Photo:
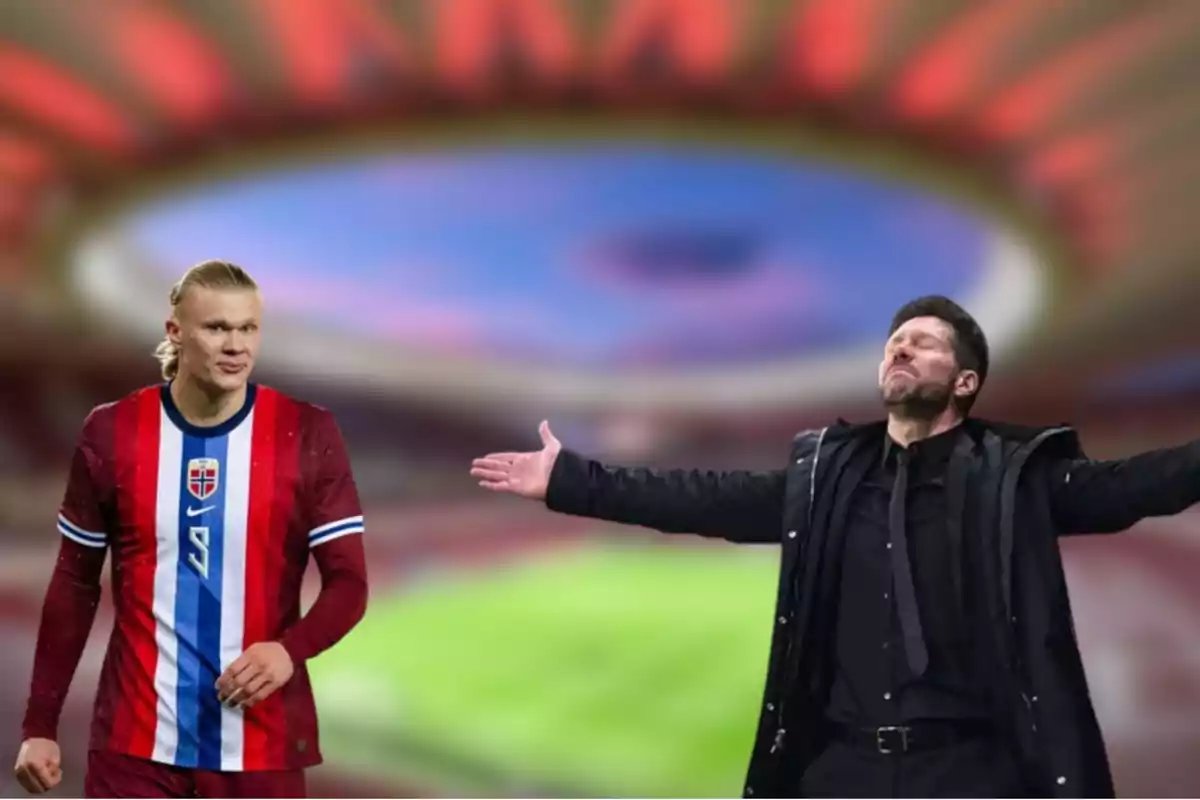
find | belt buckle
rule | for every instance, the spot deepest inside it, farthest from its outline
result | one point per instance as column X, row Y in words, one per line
column 880, row 744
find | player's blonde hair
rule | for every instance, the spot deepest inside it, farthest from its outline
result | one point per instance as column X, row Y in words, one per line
column 212, row 274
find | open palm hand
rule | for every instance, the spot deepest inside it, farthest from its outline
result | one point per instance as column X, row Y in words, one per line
column 523, row 474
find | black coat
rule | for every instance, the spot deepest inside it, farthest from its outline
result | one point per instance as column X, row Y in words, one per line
column 1004, row 487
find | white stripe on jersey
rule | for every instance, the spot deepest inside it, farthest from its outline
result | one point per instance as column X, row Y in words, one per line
column 328, row 526
column 166, row 676
column 334, row 530
column 233, row 579
column 77, row 534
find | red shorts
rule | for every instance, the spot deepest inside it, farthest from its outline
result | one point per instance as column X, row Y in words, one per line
column 116, row 775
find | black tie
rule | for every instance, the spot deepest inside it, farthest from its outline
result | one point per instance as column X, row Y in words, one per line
column 906, row 595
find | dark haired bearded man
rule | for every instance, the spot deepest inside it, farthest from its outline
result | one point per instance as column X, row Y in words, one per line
column 923, row 640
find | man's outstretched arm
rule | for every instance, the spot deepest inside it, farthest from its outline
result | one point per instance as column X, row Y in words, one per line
column 1108, row 496
column 740, row 506
column 737, row 505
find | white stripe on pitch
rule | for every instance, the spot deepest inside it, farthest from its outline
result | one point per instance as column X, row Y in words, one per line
column 166, row 675
column 233, row 580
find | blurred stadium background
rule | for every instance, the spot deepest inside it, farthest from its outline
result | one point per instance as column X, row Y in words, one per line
column 675, row 228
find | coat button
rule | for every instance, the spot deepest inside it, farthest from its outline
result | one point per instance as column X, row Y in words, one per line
column 783, row 620
column 1062, row 780
column 799, row 460
column 749, row 791
column 770, row 706
column 791, row 534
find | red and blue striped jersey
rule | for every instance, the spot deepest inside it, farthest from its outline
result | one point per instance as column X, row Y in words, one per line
column 210, row 531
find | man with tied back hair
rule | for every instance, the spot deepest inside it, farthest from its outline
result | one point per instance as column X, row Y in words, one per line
column 211, row 492
column 923, row 640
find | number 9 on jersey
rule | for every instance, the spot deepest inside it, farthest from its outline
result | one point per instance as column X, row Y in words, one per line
column 198, row 555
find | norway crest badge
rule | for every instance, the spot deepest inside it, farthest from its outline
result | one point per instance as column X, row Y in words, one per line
column 203, row 477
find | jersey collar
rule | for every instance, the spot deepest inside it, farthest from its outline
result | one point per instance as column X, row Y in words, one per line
column 207, row 431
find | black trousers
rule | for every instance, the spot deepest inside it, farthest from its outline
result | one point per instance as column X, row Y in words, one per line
column 972, row 768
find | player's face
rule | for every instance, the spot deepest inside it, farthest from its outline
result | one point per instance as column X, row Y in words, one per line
column 217, row 332
column 919, row 372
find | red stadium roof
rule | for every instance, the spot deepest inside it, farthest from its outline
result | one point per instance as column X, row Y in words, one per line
column 1083, row 114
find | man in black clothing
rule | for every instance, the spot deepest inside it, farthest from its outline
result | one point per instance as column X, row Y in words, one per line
column 876, row 685
column 923, row 642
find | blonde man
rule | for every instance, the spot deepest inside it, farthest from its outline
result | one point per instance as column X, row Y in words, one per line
column 211, row 492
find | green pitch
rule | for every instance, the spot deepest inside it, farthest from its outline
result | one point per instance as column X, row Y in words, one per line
column 618, row 669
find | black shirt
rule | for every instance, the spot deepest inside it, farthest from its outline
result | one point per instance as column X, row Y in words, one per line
column 872, row 683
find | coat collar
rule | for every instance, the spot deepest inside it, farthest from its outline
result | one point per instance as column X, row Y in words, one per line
column 1064, row 442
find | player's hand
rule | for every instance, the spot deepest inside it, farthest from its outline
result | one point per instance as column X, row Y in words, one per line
column 255, row 675
column 39, row 765
column 524, row 474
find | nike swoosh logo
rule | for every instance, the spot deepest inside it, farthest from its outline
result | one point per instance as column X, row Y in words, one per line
column 195, row 512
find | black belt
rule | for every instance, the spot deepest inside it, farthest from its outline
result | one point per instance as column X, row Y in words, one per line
column 915, row 736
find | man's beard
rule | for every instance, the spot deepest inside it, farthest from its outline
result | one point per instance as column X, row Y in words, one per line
column 924, row 401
